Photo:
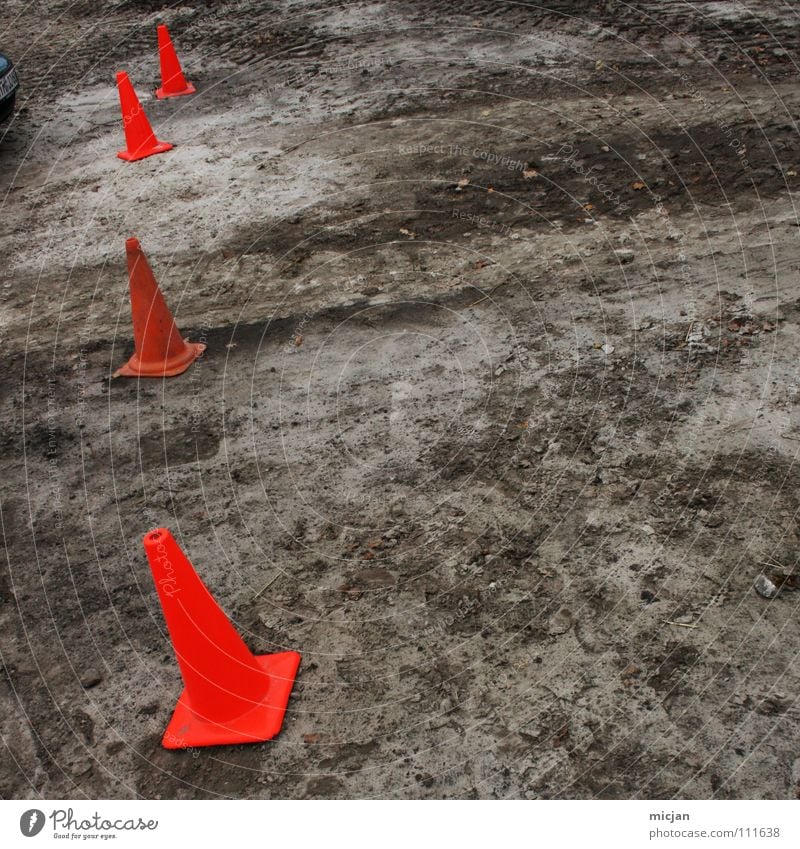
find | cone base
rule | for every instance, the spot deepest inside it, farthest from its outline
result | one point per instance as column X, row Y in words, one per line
column 186, row 729
column 135, row 156
column 169, row 368
column 161, row 93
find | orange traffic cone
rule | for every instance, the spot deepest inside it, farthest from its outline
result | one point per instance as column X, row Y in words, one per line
column 139, row 136
column 173, row 82
column 161, row 351
column 230, row 695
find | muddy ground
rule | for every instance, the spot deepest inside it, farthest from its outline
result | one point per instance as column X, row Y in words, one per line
column 498, row 421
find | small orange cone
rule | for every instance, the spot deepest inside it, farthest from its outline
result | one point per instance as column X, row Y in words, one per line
column 173, row 82
column 230, row 695
column 139, row 136
column 161, row 351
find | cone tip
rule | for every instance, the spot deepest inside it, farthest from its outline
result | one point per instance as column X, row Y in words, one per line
column 121, row 76
column 155, row 537
column 132, row 244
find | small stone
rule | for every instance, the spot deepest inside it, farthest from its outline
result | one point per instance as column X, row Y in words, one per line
column 711, row 520
column 764, row 587
column 624, row 255
column 560, row 623
column 90, row 678
column 631, row 671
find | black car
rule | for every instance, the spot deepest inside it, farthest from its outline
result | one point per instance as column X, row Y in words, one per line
column 9, row 83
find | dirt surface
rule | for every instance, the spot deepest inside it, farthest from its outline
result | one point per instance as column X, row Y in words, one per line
column 498, row 422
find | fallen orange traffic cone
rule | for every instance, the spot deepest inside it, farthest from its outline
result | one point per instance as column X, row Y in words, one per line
column 230, row 695
column 161, row 351
column 173, row 82
column 139, row 137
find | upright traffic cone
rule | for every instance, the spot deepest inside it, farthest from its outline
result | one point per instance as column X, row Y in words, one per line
column 139, row 137
column 230, row 695
column 161, row 351
column 173, row 82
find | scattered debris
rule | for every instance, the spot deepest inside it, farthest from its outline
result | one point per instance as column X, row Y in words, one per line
column 266, row 586
column 696, row 336
column 560, row 737
column 488, row 294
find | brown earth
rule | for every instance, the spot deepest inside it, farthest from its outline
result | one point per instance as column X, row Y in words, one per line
column 498, row 421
